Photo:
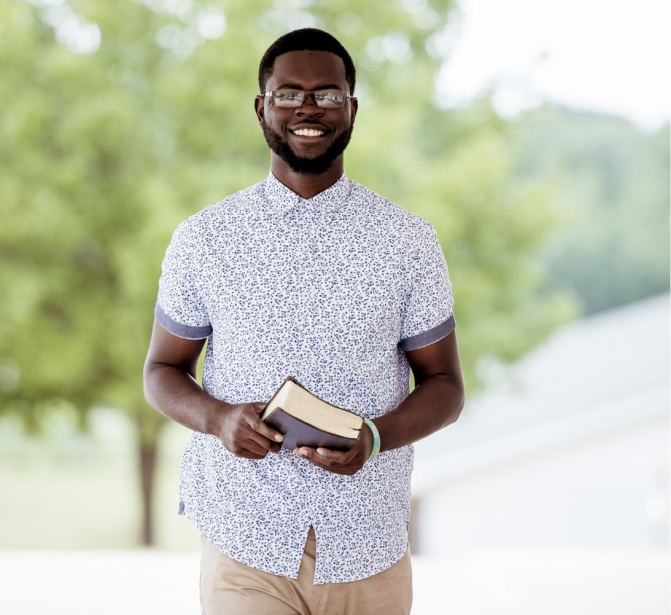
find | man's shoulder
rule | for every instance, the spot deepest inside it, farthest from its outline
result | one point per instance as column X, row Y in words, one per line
column 220, row 215
column 237, row 203
column 386, row 214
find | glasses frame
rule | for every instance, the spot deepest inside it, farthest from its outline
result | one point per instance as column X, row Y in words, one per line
column 305, row 94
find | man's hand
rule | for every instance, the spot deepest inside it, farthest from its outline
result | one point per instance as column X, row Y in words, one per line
column 242, row 431
column 339, row 462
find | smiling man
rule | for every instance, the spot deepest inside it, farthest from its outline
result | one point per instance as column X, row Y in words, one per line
column 305, row 274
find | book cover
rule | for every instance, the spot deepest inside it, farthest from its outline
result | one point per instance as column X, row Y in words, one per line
column 297, row 433
column 306, row 420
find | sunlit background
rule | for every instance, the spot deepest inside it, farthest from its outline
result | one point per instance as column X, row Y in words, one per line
column 534, row 135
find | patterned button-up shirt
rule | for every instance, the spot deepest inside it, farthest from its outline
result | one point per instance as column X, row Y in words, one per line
column 330, row 290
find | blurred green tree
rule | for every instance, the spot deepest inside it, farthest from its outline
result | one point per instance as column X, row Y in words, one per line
column 121, row 119
column 614, row 180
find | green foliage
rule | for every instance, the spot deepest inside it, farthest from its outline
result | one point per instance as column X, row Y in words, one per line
column 615, row 185
column 102, row 155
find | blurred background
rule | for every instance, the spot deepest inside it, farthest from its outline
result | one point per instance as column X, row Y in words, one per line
column 534, row 135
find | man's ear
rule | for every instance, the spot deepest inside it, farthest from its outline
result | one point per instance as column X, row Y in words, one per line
column 355, row 108
column 260, row 108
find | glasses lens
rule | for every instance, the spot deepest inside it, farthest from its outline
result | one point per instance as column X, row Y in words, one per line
column 288, row 98
column 330, row 98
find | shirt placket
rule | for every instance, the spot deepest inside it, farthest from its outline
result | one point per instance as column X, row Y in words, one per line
column 315, row 287
column 302, row 256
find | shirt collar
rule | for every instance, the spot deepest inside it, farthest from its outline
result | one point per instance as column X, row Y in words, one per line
column 281, row 199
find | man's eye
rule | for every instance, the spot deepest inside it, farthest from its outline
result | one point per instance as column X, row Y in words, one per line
column 329, row 95
column 288, row 95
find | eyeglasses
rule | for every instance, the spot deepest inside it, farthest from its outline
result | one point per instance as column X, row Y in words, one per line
column 327, row 99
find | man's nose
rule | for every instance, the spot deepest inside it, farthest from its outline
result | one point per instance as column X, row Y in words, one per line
column 309, row 107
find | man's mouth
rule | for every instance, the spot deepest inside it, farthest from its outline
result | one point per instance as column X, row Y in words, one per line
column 308, row 132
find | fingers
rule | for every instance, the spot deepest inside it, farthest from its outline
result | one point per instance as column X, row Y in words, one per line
column 248, row 454
column 335, row 457
column 338, row 462
column 252, row 434
column 245, row 435
column 263, row 443
column 325, row 456
column 251, row 449
column 268, row 445
column 255, row 422
column 254, row 447
column 252, row 440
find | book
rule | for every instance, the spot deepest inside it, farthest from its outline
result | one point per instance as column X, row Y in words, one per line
column 306, row 420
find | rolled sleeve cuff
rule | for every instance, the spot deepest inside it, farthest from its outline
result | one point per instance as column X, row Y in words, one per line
column 429, row 337
column 186, row 331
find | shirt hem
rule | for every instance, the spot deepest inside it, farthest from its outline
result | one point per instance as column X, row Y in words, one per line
column 212, row 539
column 316, row 581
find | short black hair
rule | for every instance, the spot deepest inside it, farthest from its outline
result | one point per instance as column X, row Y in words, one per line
column 305, row 39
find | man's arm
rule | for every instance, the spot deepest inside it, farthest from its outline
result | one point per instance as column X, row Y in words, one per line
column 436, row 401
column 170, row 387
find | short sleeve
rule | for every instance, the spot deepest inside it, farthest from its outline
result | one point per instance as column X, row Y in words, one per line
column 180, row 309
column 429, row 314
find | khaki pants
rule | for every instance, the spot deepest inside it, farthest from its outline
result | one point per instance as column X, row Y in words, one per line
column 228, row 587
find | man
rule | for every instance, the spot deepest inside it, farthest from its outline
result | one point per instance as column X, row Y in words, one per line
column 306, row 274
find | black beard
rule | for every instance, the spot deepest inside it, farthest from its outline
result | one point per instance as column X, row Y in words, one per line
column 306, row 166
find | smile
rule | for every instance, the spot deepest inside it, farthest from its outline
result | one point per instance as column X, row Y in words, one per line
column 308, row 132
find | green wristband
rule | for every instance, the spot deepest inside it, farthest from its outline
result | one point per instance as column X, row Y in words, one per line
column 376, row 439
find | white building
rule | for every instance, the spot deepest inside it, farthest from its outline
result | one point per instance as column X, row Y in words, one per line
column 568, row 448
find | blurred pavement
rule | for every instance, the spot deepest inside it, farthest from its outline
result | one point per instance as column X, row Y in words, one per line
column 480, row 582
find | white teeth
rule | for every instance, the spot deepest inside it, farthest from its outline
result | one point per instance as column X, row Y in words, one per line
column 308, row 132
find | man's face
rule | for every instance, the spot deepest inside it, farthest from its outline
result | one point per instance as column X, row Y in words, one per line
column 330, row 128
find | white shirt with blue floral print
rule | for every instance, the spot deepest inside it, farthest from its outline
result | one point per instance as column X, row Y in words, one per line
column 330, row 290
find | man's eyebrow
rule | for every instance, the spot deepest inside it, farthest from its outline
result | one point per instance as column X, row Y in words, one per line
column 296, row 86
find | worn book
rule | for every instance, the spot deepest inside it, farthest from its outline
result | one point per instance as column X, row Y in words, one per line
column 306, row 420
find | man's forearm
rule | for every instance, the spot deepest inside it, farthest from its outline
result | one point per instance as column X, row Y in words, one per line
column 171, row 388
column 434, row 404
column 173, row 391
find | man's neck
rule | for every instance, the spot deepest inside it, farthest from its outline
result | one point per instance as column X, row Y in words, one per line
column 306, row 186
